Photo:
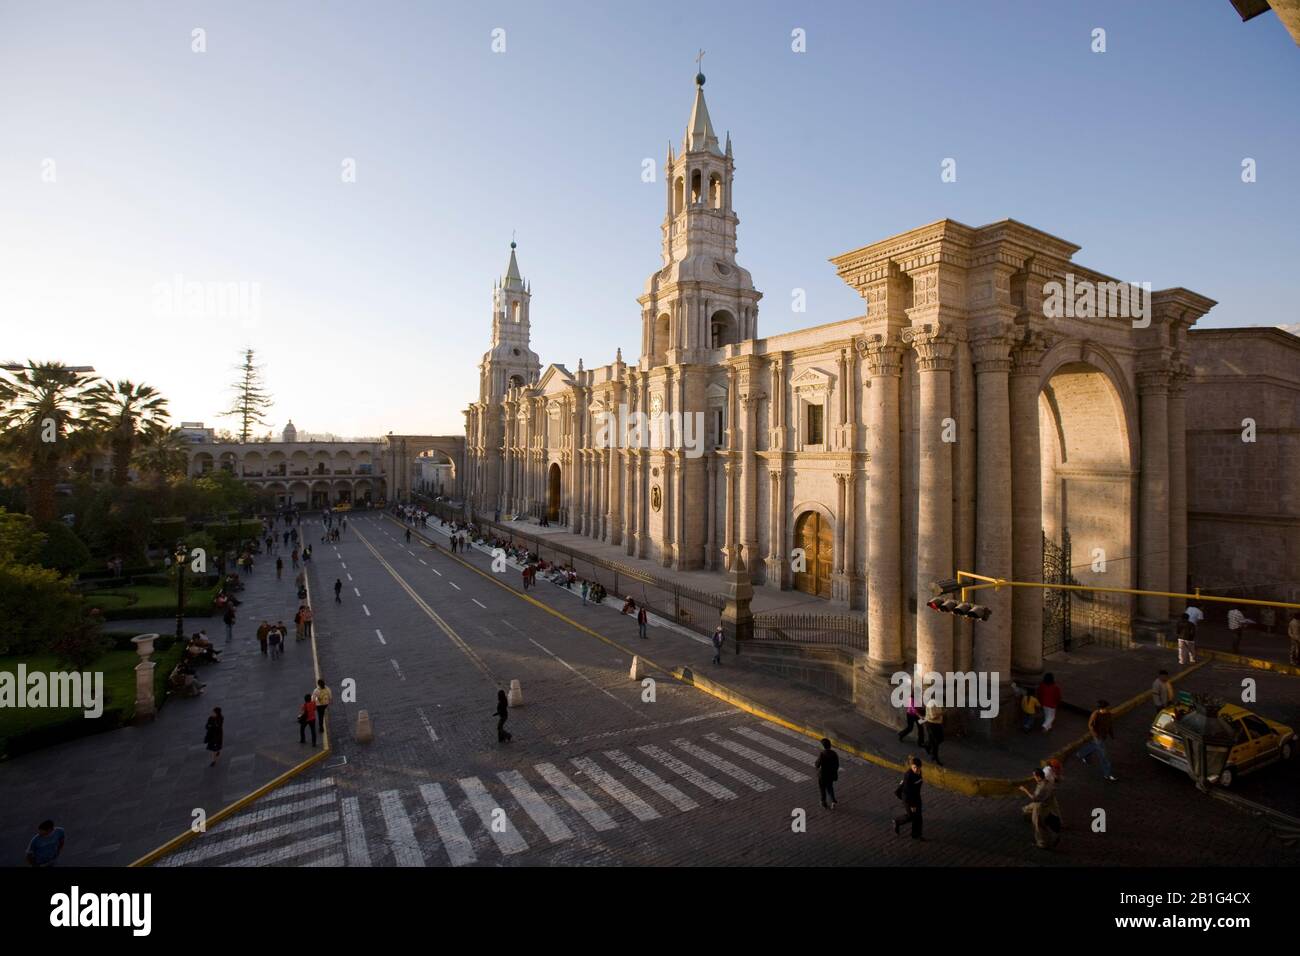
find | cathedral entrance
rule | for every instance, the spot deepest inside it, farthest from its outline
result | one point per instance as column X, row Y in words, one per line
column 553, row 494
column 815, row 536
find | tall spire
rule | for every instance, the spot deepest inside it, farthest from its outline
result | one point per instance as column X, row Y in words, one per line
column 513, row 280
column 699, row 132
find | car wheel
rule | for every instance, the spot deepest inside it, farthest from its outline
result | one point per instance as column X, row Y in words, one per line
column 1288, row 749
column 1226, row 777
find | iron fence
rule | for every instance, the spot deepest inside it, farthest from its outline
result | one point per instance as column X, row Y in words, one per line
column 831, row 630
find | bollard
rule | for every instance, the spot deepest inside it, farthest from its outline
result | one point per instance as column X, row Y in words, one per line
column 365, row 731
column 516, row 694
column 638, row 669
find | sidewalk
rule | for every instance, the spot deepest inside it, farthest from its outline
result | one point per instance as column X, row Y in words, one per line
column 123, row 793
column 971, row 764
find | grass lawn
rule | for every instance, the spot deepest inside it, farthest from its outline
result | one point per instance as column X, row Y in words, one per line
column 151, row 598
column 119, row 689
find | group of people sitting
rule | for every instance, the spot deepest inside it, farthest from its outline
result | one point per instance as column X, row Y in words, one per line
column 182, row 682
column 199, row 650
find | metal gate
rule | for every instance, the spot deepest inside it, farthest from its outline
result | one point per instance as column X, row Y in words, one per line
column 1056, row 603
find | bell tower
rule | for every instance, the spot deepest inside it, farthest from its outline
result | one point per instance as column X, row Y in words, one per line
column 700, row 300
column 509, row 361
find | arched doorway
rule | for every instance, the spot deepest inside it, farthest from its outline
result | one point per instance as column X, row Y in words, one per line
column 814, row 534
column 553, row 494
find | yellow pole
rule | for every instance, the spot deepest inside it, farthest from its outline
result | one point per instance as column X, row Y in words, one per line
column 997, row 583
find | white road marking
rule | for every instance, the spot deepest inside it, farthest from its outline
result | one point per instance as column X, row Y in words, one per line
column 763, row 760
column 380, row 635
column 366, row 609
column 575, row 797
column 508, row 840
column 536, row 806
column 479, row 603
column 459, row 850
column 350, row 578
column 254, row 835
column 400, row 675
column 436, row 571
column 565, row 741
column 809, row 741
column 777, row 745
column 616, row 789
column 508, row 624
column 427, row 726
column 688, row 773
column 424, row 562
column 345, row 564
column 587, row 679
column 354, row 835
column 401, row 836
column 652, row 780
column 284, row 854
column 726, row 766
column 357, row 590
column 334, row 859
column 454, row 584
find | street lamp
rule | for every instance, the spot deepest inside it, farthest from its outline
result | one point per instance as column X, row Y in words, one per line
column 1207, row 740
column 180, row 557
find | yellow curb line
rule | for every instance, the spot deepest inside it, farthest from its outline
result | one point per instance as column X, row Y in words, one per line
column 176, row 842
column 1288, row 670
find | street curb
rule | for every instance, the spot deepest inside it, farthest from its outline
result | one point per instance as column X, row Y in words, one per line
column 1258, row 663
column 176, row 842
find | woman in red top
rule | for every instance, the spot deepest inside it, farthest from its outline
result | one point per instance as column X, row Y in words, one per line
column 1049, row 695
column 307, row 718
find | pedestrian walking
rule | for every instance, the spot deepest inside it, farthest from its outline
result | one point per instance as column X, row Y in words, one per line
column 1293, row 635
column 1185, row 631
column 294, row 556
column 263, row 633
column 584, row 593
column 1237, row 624
column 338, row 590
column 717, row 645
column 229, row 620
column 1030, row 705
column 213, row 734
column 276, row 639
column 909, row 791
column 297, row 623
column 321, row 697
column 1195, row 615
column 502, row 713
column 46, row 845
column 1049, row 695
column 1162, row 692
column 642, row 618
column 934, row 732
column 914, row 720
column 279, row 568
column 307, row 718
column 828, row 771
column 408, row 535
column 308, row 615
column 1043, row 811
column 527, row 567
column 1101, row 725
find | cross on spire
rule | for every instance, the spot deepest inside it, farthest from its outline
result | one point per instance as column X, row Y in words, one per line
column 699, row 61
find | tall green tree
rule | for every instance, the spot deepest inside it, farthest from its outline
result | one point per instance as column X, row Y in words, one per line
column 121, row 412
column 40, row 409
column 162, row 453
column 251, row 398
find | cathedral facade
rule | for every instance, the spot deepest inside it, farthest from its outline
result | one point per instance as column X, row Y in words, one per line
column 993, row 396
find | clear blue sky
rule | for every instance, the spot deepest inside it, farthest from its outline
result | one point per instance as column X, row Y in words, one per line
column 375, row 296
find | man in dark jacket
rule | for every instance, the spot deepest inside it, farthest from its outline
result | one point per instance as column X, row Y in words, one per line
column 909, row 791
column 828, row 771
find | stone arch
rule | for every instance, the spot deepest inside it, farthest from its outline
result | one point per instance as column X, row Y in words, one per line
column 662, row 335
column 697, row 187
column 679, row 194
column 299, row 492
column 554, row 488
column 402, row 451
column 320, row 494
column 202, row 464
column 1087, row 449
column 722, row 329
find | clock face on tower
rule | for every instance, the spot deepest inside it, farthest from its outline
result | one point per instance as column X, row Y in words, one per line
column 656, row 404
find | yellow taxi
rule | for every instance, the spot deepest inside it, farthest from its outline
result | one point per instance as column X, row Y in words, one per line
column 343, row 506
column 1257, row 741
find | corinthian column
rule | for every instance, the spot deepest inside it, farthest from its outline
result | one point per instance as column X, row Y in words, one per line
column 934, row 363
column 1153, row 509
column 1027, row 509
column 1178, row 487
column 884, row 532
column 993, row 527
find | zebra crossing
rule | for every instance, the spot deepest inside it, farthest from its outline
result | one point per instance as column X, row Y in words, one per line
column 472, row 820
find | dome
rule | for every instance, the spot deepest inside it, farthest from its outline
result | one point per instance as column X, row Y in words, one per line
column 290, row 433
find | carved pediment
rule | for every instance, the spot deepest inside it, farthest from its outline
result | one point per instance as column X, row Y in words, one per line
column 812, row 380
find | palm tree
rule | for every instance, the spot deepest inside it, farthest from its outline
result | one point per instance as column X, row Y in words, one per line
column 38, row 414
column 121, row 412
column 162, row 452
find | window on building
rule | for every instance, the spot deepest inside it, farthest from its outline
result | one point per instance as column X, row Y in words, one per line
column 814, row 432
column 719, row 421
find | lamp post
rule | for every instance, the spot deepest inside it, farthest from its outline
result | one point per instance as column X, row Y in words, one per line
column 180, row 557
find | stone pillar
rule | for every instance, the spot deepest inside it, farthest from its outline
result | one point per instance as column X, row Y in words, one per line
column 850, row 563
column 144, row 700
column 884, row 533
column 934, row 362
column 1027, row 510
column 1153, row 508
column 839, row 585
column 729, row 514
column 749, row 475
column 775, row 576
column 633, row 504
column 1178, row 489
column 993, row 513
column 614, row 520
column 711, row 515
